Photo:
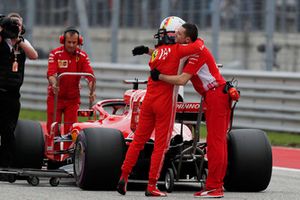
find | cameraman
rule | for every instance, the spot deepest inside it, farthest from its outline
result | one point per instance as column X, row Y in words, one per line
column 13, row 51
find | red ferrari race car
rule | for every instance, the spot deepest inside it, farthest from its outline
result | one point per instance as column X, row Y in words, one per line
column 97, row 146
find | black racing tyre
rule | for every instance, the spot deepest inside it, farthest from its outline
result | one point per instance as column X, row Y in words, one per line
column 169, row 180
column 29, row 145
column 99, row 153
column 249, row 161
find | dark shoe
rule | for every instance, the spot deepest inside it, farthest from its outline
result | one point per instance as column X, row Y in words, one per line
column 122, row 186
column 152, row 191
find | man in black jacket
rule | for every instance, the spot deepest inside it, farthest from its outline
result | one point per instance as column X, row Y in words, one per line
column 13, row 51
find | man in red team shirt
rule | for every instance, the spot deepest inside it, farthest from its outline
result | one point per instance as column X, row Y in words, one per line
column 159, row 105
column 204, row 74
column 67, row 58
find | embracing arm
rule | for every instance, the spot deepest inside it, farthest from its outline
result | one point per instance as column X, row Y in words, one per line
column 181, row 79
column 140, row 50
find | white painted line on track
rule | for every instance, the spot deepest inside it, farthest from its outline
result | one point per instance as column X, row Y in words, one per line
column 287, row 169
column 286, row 148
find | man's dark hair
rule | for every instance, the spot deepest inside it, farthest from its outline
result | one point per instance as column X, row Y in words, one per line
column 16, row 15
column 191, row 31
column 10, row 28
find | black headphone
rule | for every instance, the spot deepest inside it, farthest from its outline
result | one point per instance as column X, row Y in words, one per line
column 23, row 30
column 71, row 29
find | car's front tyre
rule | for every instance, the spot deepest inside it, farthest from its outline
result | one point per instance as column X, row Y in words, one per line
column 29, row 145
column 99, row 153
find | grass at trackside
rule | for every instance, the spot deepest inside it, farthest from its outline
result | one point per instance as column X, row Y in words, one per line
column 284, row 139
column 38, row 115
column 276, row 138
column 33, row 115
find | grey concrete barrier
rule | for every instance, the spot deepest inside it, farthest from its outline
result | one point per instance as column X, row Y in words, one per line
column 269, row 100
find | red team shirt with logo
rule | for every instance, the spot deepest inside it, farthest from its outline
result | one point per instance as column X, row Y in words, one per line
column 61, row 61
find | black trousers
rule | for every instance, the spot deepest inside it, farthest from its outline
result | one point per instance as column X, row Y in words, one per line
column 9, row 114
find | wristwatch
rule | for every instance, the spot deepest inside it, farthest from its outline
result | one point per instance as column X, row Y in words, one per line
column 21, row 39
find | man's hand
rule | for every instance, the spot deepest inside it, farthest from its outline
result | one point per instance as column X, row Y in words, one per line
column 155, row 74
column 234, row 94
column 53, row 83
column 140, row 50
column 55, row 89
column 17, row 41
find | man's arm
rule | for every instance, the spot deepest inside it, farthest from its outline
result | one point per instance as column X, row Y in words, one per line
column 52, row 72
column 140, row 50
column 86, row 66
column 181, row 79
column 92, row 87
column 30, row 52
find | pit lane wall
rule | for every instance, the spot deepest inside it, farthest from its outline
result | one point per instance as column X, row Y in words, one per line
column 269, row 100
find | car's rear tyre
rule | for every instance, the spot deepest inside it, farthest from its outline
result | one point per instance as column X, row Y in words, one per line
column 29, row 145
column 98, row 157
column 249, row 161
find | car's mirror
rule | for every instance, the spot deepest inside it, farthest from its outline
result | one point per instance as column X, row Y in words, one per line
column 85, row 113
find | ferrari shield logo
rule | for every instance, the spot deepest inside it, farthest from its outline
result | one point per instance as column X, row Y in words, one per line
column 62, row 63
column 154, row 55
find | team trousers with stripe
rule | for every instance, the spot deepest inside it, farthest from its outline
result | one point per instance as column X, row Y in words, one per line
column 154, row 114
column 217, row 120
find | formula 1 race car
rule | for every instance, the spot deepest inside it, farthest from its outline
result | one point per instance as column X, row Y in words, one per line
column 96, row 147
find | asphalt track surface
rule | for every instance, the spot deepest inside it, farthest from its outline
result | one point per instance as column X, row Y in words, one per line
column 285, row 184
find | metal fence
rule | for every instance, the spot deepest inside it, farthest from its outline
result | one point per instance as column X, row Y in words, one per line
column 269, row 100
column 243, row 34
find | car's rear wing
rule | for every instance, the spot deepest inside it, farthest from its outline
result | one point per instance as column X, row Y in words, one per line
column 187, row 111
